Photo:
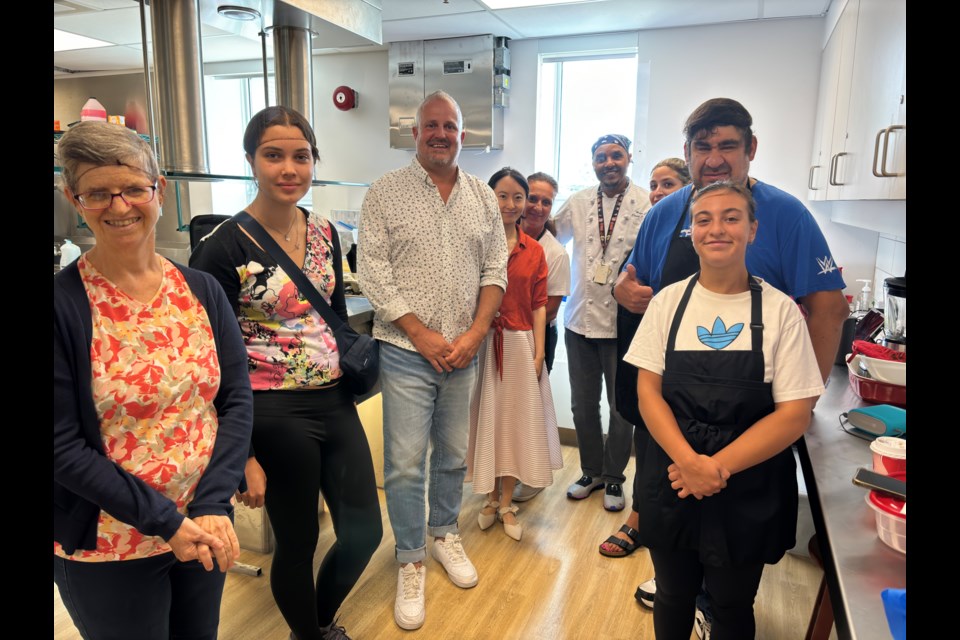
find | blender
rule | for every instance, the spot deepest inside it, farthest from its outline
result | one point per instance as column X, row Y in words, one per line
column 895, row 313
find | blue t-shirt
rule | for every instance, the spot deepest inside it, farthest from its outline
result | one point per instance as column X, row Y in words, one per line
column 789, row 251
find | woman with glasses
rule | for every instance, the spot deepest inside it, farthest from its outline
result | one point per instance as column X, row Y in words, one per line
column 151, row 412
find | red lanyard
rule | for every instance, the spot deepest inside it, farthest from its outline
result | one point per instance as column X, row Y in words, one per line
column 605, row 238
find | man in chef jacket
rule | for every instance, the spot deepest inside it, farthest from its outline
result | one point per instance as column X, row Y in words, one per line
column 432, row 260
column 602, row 220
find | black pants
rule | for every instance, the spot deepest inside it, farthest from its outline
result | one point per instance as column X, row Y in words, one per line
column 308, row 441
column 641, row 437
column 732, row 591
column 550, row 346
column 155, row 598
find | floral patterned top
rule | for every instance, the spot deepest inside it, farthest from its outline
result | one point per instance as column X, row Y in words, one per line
column 289, row 345
column 155, row 374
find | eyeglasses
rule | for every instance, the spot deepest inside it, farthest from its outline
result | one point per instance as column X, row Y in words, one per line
column 100, row 200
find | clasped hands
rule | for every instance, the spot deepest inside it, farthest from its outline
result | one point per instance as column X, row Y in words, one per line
column 206, row 538
column 447, row 356
column 699, row 477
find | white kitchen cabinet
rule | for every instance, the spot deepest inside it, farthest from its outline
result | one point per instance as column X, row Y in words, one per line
column 867, row 142
column 835, row 77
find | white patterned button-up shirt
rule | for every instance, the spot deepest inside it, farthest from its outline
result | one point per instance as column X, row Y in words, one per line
column 417, row 254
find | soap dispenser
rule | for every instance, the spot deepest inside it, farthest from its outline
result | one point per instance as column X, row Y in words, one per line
column 863, row 300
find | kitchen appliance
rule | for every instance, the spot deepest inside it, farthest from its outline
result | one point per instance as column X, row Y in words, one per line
column 475, row 70
column 881, row 420
column 895, row 313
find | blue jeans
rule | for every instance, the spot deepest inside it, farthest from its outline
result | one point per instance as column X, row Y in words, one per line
column 421, row 407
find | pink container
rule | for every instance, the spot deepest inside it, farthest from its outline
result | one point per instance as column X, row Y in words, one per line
column 889, row 455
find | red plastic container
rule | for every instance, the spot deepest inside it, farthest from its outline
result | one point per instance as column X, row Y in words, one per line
column 891, row 517
column 875, row 391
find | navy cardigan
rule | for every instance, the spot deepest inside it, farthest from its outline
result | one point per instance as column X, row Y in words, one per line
column 84, row 479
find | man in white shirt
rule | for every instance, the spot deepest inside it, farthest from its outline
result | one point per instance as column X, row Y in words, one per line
column 603, row 222
column 433, row 262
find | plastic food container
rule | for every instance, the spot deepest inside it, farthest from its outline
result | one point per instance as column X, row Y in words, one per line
column 875, row 391
column 891, row 515
column 889, row 455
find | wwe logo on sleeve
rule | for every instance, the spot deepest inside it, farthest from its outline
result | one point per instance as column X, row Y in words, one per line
column 826, row 265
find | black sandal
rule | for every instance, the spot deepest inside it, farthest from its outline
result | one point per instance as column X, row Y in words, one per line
column 628, row 547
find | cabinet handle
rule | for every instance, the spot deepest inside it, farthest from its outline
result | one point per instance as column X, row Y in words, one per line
column 883, row 161
column 810, row 178
column 834, row 161
column 876, row 153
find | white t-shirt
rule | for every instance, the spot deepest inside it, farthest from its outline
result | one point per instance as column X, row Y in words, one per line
column 558, row 267
column 714, row 321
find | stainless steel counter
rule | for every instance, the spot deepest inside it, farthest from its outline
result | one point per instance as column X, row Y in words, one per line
column 857, row 564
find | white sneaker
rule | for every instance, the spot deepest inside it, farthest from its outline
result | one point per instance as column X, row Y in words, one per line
column 701, row 625
column 449, row 552
column 646, row 593
column 522, row 492
column 408, row 610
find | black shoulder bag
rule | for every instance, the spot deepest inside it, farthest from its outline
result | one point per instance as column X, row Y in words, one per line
column 359, row 353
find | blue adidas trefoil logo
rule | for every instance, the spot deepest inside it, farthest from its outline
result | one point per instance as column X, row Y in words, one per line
column 826, row 265
column 721, row 336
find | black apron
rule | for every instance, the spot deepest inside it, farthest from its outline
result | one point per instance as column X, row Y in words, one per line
column 681, row 262
column 715, row 397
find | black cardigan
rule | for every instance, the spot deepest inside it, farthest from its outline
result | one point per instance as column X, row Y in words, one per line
column 84, row 479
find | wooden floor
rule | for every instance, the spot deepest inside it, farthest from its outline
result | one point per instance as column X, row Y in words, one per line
column 553, row 585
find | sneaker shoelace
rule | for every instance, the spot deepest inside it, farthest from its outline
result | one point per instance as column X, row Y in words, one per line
column 454, row 550
column 411, row 585
column 614, row 489
column 585, row 481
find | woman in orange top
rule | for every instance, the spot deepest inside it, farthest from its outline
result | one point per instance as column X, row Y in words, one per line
column 513, row 426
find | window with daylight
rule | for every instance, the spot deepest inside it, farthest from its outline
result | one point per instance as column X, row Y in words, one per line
column 225, row 124
column 582, row 96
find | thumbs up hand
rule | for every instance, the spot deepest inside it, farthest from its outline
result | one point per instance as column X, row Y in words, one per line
column 630, row 293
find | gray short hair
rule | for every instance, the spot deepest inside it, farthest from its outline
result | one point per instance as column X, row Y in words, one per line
column 103, row 144
column 439, row 95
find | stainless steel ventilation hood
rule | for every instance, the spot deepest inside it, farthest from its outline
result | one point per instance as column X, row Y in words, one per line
column 331, row 23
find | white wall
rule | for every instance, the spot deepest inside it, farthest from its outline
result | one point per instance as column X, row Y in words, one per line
column 772, row 67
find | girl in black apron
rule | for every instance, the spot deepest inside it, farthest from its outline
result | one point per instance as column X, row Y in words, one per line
column 718, row 481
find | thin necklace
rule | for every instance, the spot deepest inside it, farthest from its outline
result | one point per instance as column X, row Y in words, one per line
column 286, row 236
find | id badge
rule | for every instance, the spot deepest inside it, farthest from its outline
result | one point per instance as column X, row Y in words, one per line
column 602, row 273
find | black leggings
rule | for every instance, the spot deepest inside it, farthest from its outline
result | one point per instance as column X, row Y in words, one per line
column 732, row 591
column 308, row 441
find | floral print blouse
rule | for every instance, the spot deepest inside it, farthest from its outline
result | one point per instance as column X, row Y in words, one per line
column 155, row 374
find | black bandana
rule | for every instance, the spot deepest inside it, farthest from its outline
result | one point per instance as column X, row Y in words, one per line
column 611, row 138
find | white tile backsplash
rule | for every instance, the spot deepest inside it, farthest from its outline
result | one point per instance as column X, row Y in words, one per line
column 885, row 251
column 899, row 259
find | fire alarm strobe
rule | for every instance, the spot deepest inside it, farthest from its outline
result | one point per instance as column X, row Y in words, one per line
column 345, row 98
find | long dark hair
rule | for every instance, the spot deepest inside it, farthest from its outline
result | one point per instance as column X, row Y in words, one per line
column 509, row 172
column 271, row 117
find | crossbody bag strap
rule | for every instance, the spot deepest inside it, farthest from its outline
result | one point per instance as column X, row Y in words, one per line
column 296, row 274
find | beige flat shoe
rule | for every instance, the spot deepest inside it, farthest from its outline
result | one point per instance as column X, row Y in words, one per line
column 486, row 520
column 515, row 531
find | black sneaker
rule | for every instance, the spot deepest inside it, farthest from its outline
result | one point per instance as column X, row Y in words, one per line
column 583, row 488
column 613, row 498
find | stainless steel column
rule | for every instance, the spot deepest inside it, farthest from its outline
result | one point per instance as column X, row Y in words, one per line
column 178, row 62
column 292, row 68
